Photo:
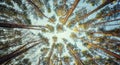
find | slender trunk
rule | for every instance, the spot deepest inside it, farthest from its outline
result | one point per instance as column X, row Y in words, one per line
column 23, row 47
column 109, row 14
column 6, row 63
column 77, row 58
column 14, row 25
column 70, row 11
column 13, row 43
column 38, row 10
column 106, row 33
column 64, row 3
column 103, row 16
column 50, row 53
column 10, row 56
column 99, row 7
column 39, row 61
column 103, row 23
column 112, row 25
column 105, row 50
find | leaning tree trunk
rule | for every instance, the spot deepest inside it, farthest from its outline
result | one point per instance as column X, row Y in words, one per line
column 23, row 26
column 99, row 7
column 70, row 11
column 105, row 50
column 17, row 52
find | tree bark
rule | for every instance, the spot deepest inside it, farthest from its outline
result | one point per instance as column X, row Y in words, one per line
column 16, row 53
column 77, row 58
column 102, row 23
column 99, row 7
column 105, row 50
column 70, row 11
column 14, row 25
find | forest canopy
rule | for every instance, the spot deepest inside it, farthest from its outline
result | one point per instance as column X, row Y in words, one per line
column 59, row 32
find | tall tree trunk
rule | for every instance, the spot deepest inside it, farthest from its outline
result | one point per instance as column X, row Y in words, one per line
column 16, row 53
column 99, row 7
column 112, row 25
column 115, row 32
column 37, row 9
column 77, row 58
column 70, row 11
column 105, row 50
column 39, row 61
column 64, row 3
column 103, row 16
column 103, row 23
column 14, row 25
column 50, row 53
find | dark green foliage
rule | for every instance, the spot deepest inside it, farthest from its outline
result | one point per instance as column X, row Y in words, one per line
column 93, row 2
column 19, row 2
column 25, row 61
column 8, row 2
column 8, row 11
